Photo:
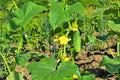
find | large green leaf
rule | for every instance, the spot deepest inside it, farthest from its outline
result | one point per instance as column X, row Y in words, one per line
column 60, row 13
column 112, row 65
column 40, row 69
column 47, row 69
column 75, row 8
column 57, row 15
column 26, row 13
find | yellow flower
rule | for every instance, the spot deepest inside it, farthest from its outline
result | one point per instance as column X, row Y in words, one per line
column 66, row 59
column 63, row 40
column 75, row 76
column 75, row 26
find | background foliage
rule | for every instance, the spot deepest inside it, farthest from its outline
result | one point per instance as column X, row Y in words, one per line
column 28, row 29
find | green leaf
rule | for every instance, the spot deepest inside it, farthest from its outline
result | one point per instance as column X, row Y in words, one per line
column 91, row 2
column 112, row 65
column 107, row 60
column 41, row 69
column 57, row 15
column 76, row 8
column 91, row 38
column 68, row 78
column 4, row 2
column 1, row 73
column 15, row 76
column 68, row 68
column 26, row 13
column 60, row 13
column 115, row 27
column 47, row 69
column 113, row 68
column 88, row 77
column 22, row 59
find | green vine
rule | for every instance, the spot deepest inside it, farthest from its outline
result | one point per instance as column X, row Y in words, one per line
column 5, row 62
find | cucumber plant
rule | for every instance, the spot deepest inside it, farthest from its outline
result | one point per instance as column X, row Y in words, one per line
column 28, row 27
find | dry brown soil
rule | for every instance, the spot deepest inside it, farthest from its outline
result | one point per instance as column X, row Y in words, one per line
column 90, row 62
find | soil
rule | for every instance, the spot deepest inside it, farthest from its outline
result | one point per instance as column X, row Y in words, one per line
column 90, row 61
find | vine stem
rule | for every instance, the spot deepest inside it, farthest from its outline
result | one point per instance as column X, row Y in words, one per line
column 5, row 62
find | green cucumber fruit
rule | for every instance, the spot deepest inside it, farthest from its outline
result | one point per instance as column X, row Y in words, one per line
column 77, row 41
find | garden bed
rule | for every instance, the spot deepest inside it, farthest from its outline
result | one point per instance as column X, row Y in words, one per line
column 59, row 39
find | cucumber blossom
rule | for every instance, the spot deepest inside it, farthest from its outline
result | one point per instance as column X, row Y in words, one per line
column 77, row 41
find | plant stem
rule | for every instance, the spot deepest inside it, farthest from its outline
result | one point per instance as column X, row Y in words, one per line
column 84, row 29
column 111, row 52
column 67, row 32
column 15, row 4
column 5, row 62
column 118, row 48
column 65, row 49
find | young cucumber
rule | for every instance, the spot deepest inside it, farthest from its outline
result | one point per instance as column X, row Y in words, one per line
column 77, row 41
